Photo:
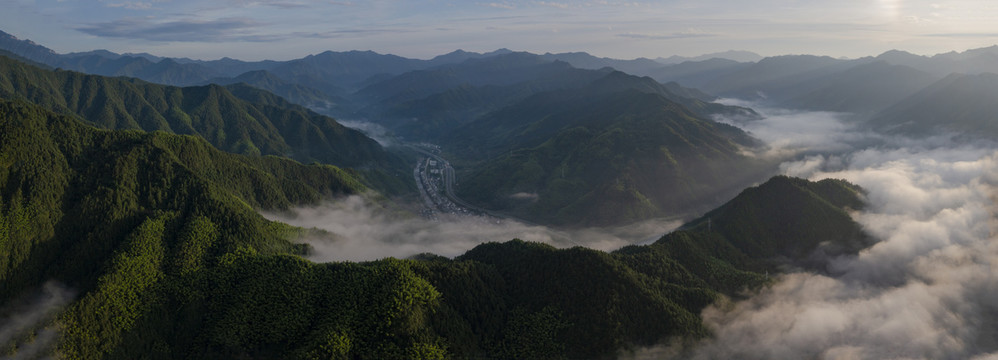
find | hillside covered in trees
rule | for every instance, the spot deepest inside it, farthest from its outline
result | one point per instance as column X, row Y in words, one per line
column 157, row 237
column 598, row 156
column 236, row 118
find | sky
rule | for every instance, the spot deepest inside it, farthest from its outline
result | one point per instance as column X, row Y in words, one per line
column 288, row 29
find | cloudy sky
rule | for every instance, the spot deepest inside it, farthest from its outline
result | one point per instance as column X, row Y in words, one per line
column 286, row 29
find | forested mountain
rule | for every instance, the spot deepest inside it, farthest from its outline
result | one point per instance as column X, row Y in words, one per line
column 458, row 56
column 332, row 72
column 789, row 219
column 599, row 155
column 130, row 224
column 166, row 71
column 429, row 104
column 504, row 69
column 321, row 81
column 126, row 217
column 294, row 93
column 238, row 119
column 340, row 74
column 581, row 60
column 455, row 101
column 233, row 67
column 157, row 237
column 12, row 56
column 863, row 86
column 961, row 104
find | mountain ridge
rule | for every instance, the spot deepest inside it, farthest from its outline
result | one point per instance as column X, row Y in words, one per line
column 172, row 263
column 597, row 157
column 959, row 104
column 228, row 121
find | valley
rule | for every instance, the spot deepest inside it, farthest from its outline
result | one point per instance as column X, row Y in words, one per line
column 497, row 205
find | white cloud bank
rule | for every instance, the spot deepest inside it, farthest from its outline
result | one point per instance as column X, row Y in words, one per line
column 926, row 290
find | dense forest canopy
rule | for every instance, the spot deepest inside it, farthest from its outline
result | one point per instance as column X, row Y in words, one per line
column 157, row 235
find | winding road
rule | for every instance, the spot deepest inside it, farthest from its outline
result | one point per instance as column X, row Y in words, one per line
column 449, row 178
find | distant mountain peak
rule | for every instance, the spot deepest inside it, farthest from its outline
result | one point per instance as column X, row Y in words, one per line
column 100, row 52
column 895, row 52
column 455, row 56
column 27, row 49
column 498, row 52
column 11, row 37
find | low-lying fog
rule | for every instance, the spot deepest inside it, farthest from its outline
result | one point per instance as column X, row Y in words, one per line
column 366, row 231
column 925, row 290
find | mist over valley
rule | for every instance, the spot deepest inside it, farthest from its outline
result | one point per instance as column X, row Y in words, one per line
column 494, row 204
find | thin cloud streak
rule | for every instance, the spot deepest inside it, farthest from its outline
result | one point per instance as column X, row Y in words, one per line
column 680, row 35
column 131, row 5
column 218, row 28
column 225, row 29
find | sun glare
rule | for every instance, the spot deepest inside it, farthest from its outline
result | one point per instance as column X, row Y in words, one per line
column 891, row 9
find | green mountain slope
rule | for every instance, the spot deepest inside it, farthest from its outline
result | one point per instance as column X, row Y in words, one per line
column 82, row 187
column 789, row 219
column 295, row 93
column 427, row 105
column 503, row 69
column 435, row 116
column 165, row 71
column 25, row 60
column 596, row 157
column 263, row 125
column 337, row 73
column 157, row 235
column 581, row 303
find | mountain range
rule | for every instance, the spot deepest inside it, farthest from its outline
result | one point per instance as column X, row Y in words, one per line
column 132, row 186
column 326, row 81
column 599, row 155
column 156, row 235
column 496, row 116
column 238, row 118
column 428, row 100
